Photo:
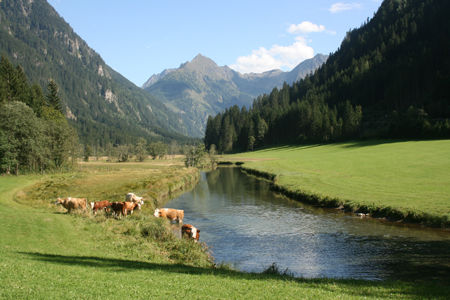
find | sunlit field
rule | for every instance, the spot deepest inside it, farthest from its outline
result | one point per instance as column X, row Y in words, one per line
column 47, row 253
column 412, row 177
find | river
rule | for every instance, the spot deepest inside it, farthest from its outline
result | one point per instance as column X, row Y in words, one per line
column 247, row 225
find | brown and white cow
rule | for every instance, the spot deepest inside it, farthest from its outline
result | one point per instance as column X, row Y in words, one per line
column 102, row 205
column 122, row 208
column 131, row 197
column 170, row 213
column 190, row 231
column 70, row 203
column 131, row 206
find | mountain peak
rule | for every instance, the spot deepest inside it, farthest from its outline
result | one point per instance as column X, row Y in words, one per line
column 201, row 63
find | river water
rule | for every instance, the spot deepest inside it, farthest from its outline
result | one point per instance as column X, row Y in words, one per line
column 247, row 225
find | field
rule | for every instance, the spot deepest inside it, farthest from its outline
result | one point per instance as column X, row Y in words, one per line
column 49, row 254
column 409, row 178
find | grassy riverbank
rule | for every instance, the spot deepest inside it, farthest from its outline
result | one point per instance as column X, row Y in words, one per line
column 400, row 180
column 47, row 253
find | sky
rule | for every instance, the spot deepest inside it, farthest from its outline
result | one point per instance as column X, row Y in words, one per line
column 139, row 38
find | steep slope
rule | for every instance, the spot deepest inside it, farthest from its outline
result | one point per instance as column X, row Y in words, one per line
column 200, row 88
column 388, row 79
column 99, row 102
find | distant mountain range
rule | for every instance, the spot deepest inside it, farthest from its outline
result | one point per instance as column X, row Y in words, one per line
column 103, row 105
column 200, row 88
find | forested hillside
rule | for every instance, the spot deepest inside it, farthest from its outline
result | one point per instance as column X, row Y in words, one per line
column 103, row 105
column 34, row 134
column 389, row 78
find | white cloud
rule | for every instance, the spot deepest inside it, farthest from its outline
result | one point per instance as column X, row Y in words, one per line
column 305, row 27
column 341, row 6
column 277, row 57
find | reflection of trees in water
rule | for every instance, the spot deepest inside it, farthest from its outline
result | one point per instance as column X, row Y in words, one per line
column 310, row 241
column 238, row 187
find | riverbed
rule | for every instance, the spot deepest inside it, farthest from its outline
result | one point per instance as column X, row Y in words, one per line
column 250, row 227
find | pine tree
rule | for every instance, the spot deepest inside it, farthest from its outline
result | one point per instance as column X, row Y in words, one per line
column 53, row 99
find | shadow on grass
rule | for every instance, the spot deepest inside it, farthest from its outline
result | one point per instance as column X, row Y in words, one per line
column 369, row 143
column 352, row 287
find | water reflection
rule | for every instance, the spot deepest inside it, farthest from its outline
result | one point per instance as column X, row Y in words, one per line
column 249, row 226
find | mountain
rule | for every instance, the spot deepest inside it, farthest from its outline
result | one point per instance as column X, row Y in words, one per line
column 103, row 105
column 389, row 78
column 200, row 88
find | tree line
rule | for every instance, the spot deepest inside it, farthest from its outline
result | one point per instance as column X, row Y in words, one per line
column 34, row 133
column 388, row 79
column 274, row 119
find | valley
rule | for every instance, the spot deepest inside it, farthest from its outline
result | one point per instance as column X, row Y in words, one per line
column 48, row 253
column 308, row 175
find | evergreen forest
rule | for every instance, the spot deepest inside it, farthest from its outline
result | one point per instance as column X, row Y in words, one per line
column 388, row 79
column 34, row 134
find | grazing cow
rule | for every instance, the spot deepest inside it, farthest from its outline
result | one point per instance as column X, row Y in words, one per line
column 70, row 203
column 170, row 213
column 131, row 206
column 118, row 208
column 102, row 205
column 131, row 197
column 122, row 208
column 190, row 231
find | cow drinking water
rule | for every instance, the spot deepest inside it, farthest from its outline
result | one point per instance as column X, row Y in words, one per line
column 189, row 231
column 175, row 215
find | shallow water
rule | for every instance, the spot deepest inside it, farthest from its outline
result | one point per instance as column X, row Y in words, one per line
column 248, row 226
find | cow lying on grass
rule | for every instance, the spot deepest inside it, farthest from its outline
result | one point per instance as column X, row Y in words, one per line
column 189, row 231
column 131, row 197
column 175, row 215
column 122, row 208
column 102, row 205
column 70, row 203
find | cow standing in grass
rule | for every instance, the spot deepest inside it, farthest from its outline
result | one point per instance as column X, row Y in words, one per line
column 131, row 197
column 102, row 205
column 70, row 203
column 122, row 208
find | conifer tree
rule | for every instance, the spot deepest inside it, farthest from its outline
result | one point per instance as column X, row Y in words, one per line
column 53, row 98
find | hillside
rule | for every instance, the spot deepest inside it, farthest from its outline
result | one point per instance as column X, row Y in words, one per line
column 200, row 88
column 102, row 104
column 389, row 78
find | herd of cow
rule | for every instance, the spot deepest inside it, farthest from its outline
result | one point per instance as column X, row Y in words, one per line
column 132, row 202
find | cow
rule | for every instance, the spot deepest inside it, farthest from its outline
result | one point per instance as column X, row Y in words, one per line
column 170, row 213
column 70, row 203
column 131, row 197
column 190, row 231
column 122, row 208
column 102, row 205
column 131, row 206
column 118, row 208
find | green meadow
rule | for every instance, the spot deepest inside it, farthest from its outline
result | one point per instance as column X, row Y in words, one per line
column 49, row 254
column 409, row 177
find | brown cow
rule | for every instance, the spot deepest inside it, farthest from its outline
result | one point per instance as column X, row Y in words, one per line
column 131, row 206
column 102, row 205
column 122, row 208
column 70, row 203
column 190, row 231
column 170, row 213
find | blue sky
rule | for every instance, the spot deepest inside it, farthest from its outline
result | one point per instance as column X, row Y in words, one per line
column 139, row 38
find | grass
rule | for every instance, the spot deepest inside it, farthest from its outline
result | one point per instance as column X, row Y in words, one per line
column 411, row 178
column 47, row 254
